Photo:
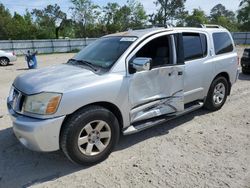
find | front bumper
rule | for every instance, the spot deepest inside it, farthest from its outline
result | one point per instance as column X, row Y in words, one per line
column 37, row 134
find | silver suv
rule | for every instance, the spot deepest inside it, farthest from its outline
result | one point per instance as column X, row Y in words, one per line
column 122, row 83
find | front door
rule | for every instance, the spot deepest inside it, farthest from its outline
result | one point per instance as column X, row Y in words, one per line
column 158, row 91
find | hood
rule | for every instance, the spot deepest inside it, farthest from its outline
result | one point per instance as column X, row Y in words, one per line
column 58, row 78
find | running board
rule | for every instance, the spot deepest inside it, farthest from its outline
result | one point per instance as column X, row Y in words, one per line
column 137, row 127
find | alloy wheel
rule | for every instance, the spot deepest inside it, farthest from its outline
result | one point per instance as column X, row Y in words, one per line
column 94, row 137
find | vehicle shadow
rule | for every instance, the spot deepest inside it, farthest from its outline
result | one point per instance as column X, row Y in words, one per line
column 22, row 69
column 27, row 168
column 10, row 64
column 20, row 167
column 158, row 130
column 244, row 76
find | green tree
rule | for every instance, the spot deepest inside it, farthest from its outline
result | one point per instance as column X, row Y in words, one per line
column 110, row 19
column 244, row 15
column 117, row 18
column 5, row 20
column 19, row 28
column 221, row 16
column 49, row 21
column 137, row 15
column 220, row 11
column 85, row 15
column 169, row 11
column 197, row 17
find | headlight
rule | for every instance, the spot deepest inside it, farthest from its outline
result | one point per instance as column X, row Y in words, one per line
column 43, row 103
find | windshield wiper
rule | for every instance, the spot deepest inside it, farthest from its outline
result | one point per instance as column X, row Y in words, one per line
column 83, row 62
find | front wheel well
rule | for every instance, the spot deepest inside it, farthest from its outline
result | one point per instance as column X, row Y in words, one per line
column 225, row 75
column 110, row 106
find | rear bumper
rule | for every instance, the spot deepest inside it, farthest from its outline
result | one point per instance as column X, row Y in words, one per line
column 37, row 134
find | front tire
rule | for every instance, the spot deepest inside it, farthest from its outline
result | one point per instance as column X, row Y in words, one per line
column 89, row 135
column 217, row 94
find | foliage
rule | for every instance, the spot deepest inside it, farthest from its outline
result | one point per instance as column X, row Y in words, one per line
column 49, row 21
column 197, row 17
column 5, row 22
column 168, row 11
column 244, row 15
column 91, row 20
column 221, row 16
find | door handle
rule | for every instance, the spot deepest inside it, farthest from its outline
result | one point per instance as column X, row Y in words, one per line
column 180, row 73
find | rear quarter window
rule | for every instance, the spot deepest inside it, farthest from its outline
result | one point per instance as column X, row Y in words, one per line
column 222, row 43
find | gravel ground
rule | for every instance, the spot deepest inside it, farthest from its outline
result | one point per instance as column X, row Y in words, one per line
column 200, row 149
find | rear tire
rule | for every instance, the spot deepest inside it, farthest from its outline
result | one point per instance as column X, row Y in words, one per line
column 4, row 61
column 217, row 94
column 89, row 135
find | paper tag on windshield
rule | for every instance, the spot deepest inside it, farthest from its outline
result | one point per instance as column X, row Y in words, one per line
column 128, row 39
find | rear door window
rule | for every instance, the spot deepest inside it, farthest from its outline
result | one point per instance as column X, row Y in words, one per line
column 222, row 43
column 194, row 45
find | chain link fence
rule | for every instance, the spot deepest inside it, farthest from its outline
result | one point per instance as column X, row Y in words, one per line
column 69, row 45
column 241, row 37
column 45, row 46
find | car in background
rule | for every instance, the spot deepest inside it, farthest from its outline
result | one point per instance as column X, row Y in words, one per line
column 245, row 61
column 7, row 57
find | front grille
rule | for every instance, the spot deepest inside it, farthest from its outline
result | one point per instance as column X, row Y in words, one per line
column 17, row 100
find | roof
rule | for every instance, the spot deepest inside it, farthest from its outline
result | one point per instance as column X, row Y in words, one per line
column 142, row 32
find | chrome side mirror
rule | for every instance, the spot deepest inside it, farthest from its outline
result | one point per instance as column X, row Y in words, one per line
column 142, row 64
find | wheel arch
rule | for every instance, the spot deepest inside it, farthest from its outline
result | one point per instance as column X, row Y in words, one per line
column 4, row 57
column 108, row 105
column 225, row 75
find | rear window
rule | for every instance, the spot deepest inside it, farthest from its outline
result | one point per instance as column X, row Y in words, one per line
column 222, row 43
column 195, row 46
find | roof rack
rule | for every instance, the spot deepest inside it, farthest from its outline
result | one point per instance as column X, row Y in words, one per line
column 210, row 26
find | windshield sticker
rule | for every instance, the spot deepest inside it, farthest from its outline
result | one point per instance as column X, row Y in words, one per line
column 128, row 39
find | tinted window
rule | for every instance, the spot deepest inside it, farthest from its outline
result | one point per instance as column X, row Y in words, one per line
column 158, row 50
column 222, row 43
column 193, row 48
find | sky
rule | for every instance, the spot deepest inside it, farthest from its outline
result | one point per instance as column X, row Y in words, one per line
column 206, row 5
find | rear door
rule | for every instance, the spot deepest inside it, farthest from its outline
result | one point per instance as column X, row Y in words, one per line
column 158, row 91
column 199, row 69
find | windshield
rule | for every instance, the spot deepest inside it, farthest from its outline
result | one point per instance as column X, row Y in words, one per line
column 104, row 52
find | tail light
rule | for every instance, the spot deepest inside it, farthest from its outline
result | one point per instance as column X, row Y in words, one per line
column 13, row 53
column 238, row 59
